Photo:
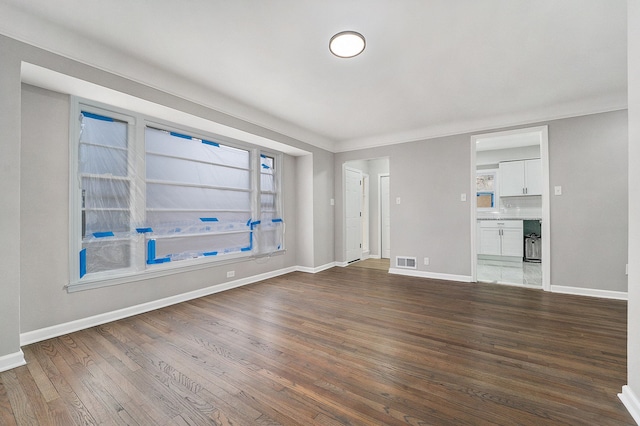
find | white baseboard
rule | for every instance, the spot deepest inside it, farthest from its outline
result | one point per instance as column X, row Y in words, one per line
column 342, row 264
column 310, row 270
column 70, row 327
column 432, row 275
column 606, row 294
column 7, row 362
column 631, row 402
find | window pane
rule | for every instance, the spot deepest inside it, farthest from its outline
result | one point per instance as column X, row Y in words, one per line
column 161, row 142
column 106, row 132
column 98, row 160
column 194, row 198
column 191, row 247
column 186, row 171
column 105, row 193
column 106, row 255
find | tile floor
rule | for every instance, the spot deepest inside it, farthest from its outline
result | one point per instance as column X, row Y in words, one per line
column 516, row 273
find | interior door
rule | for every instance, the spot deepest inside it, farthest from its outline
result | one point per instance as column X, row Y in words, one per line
column 385, row 218
column 353, row 218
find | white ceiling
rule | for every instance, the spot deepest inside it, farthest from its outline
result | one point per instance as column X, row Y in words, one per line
column 430, row 68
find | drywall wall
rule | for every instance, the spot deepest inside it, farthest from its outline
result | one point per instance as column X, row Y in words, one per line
column 588, row 159
column 10, row 205
column 304, row 195
column 323, row 211
column 45, row 234
column 493, row 157
column 633, row 341
column 430, row 220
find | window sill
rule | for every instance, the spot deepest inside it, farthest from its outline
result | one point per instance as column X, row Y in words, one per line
column 161, row 270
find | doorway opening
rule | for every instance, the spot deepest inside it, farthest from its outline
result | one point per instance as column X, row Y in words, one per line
column 363, row 201
column 510, row 226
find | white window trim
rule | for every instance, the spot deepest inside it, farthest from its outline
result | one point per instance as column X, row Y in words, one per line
column 136, row 133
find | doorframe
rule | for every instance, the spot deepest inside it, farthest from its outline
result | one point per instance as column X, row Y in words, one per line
column 366, row 215
column 380, row 176
column 543, row 134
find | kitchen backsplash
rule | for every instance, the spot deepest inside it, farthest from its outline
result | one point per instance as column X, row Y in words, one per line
column 521, row 206
column 529, row 206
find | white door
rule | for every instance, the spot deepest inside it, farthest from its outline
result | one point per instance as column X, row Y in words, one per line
column 385, row 218
column 533, row 176
column 353, row 219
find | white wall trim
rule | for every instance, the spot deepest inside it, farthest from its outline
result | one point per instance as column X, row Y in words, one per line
column 71, row 326
column 606, row 294
column 432, row 275
column 631, row 402
column 310, row 270
column 7, row 362
column 342, row 264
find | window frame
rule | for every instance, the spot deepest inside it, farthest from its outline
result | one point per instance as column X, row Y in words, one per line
column 139, row 269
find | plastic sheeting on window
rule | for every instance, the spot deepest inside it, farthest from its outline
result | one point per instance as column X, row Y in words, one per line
column 194, row 200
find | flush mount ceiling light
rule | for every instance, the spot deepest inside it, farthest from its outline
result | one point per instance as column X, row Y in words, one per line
column 347, row 44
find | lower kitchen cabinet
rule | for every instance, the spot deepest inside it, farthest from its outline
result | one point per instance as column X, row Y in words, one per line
column 500, row 238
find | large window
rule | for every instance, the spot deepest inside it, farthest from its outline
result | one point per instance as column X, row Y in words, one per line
column 151, row 194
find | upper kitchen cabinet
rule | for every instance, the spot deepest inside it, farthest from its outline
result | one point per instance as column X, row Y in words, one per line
column 520, row 178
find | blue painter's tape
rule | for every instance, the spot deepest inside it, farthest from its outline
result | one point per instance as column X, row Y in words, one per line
column 83, row 262
column 180, row 135
column 151, row 250
column 210, row 253
column 263, row 156
column 103, row 234
column 97, row 117
column 151, row 254
column 209, row 219
column 249, row 222
column 246, row 248
column 276, row 220
column 257, row 222
column 264, row 166
column 143, row 230
column 210, row 143
column 278, row 246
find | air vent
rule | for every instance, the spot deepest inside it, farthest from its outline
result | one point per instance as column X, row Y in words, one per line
column 405, row 262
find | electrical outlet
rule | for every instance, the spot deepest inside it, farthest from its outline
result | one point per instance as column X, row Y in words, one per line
column 332, row 202
column 557, row 190
column 426, row 261
column 463, row 197
column 397, row 200
column 231, row 274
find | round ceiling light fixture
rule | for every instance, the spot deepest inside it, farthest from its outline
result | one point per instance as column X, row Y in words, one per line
column 347, row 44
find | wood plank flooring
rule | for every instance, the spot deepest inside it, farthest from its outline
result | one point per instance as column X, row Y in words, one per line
column 347, row 346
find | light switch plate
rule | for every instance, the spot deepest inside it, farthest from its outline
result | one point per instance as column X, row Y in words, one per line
column 332, row 202
column 397, row 200
column 557, row 190
column 463, row 197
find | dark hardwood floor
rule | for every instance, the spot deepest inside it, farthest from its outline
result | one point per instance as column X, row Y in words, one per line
column 347, row 346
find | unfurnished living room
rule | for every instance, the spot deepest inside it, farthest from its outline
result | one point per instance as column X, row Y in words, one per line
column 342, row 212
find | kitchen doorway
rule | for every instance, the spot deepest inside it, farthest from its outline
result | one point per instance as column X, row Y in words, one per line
column 510, row 225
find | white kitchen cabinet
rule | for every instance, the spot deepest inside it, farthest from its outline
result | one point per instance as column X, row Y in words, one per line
column 501, row 238
column 520, row 178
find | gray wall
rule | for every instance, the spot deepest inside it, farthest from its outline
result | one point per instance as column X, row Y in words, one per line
column 10, row 205
column 431, row 221
column 34, row 265
column 588, row 158
column 633, row 356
